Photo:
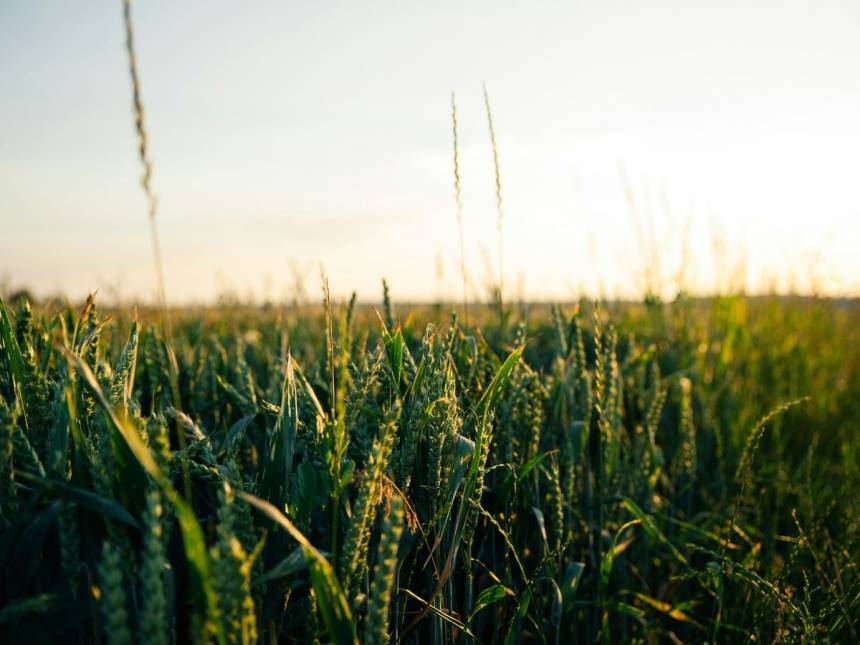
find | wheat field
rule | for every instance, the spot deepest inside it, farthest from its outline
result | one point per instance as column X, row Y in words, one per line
column 664, row 472
column 652, row 471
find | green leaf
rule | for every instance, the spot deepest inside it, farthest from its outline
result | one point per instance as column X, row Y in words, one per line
column 126, row 432
column 129, row 468
column 236, row 432
column 484, row 405
column 651, row 528
column 394, row 350
column 293, row 563
column 309, row 390
column 14, row 360
column 278, row 466
column 415, row 385
column 194, row 544
column 444, row 615
column 625, row 609
column 665, row 608
column 494, row 389
column 203, row 591
column 523, row 602
column 609, row 556
column 488, row 596
column 541, row 524
column 331, row 601
column 102, row 506
column 572, row 576
column 61, row 426
column 464, row 448
column 527, row 467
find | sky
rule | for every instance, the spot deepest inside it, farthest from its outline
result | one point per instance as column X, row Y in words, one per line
column 663, row 145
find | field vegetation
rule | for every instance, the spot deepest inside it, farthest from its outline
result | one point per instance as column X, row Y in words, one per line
column 655, row 472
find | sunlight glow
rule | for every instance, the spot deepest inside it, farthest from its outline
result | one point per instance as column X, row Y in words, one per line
column 680, row 147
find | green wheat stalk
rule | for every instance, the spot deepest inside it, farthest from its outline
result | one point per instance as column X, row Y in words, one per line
column 353, row 558
column 153, row 619
column 376, row 624
column 143, row 154
column 113, row 597
column 499, row 210
column 459, row 202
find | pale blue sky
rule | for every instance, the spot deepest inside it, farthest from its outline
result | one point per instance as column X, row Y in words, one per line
column 320, row 134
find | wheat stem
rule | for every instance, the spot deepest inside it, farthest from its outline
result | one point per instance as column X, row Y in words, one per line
column 146, row 177
column 499, row 210
column 459, row 201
